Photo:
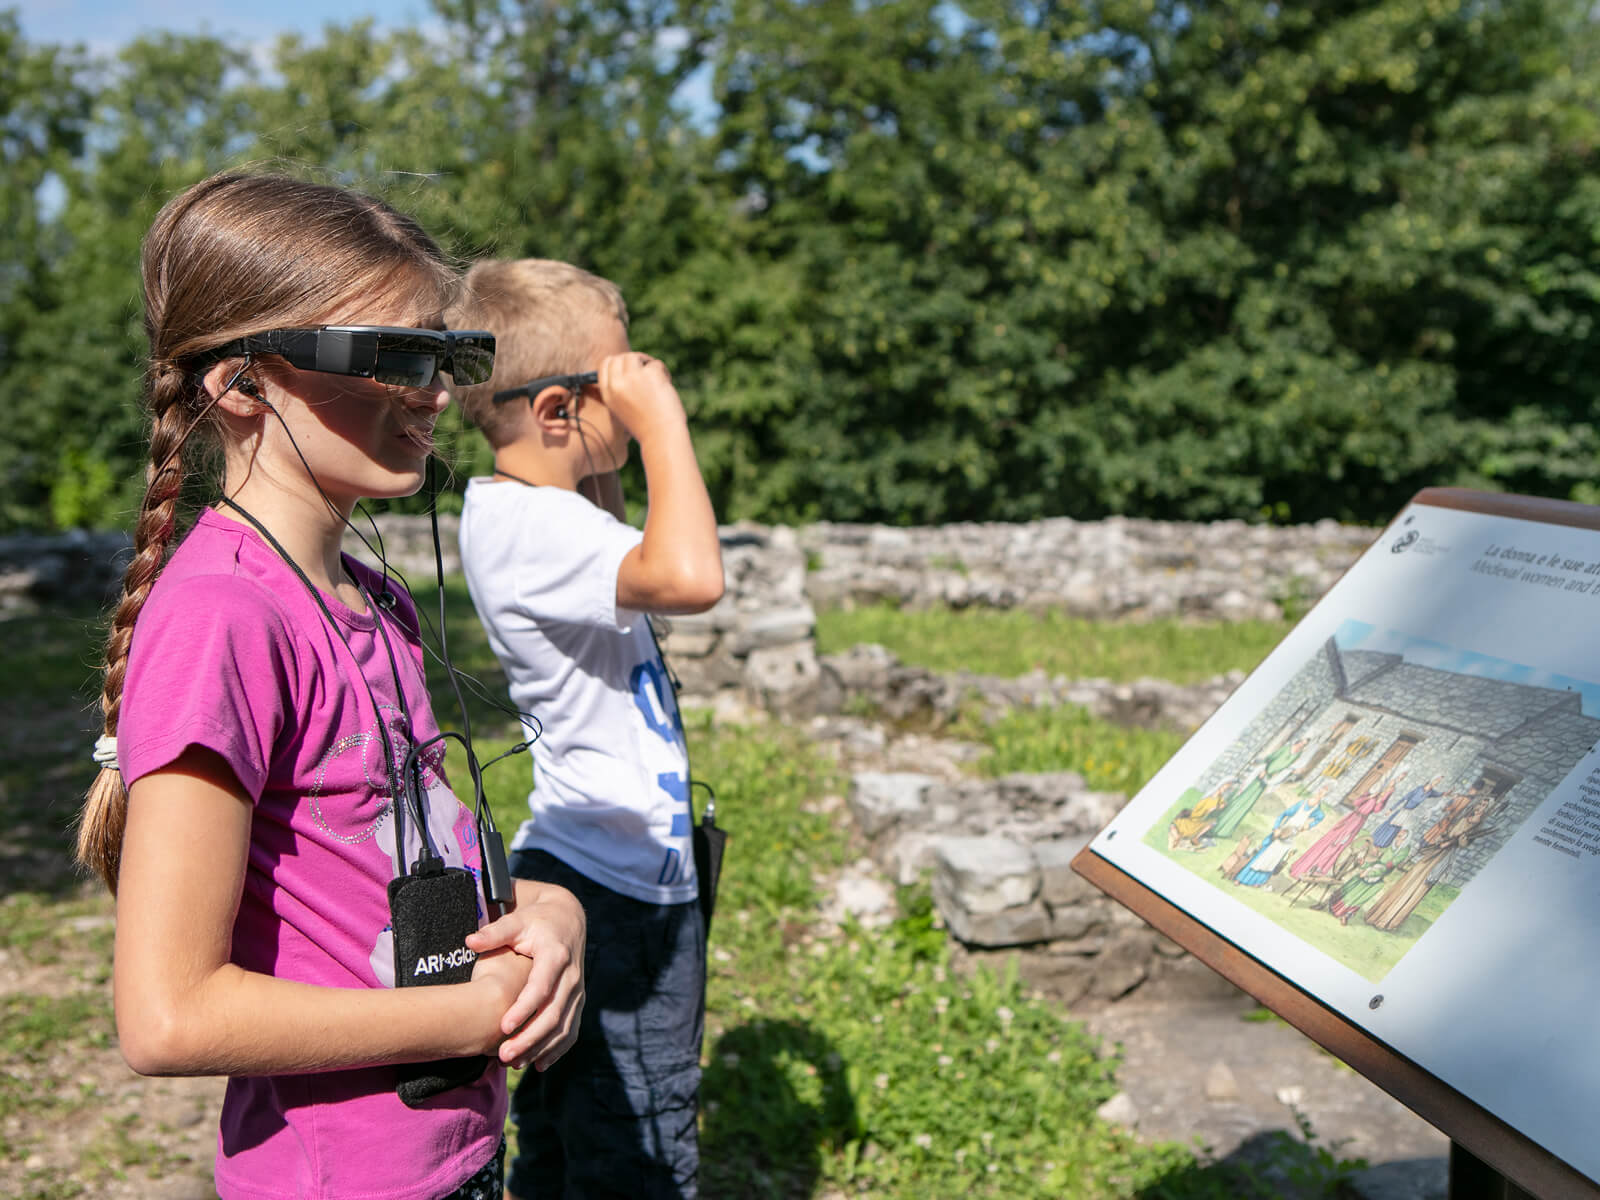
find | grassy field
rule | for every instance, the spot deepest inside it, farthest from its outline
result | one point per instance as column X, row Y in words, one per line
column 838, row 1062
column 1013, row 642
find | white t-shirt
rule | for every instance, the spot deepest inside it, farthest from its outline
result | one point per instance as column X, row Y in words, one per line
column 611, row 773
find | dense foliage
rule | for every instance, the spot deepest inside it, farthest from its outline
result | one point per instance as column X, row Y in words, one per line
column 912, row 263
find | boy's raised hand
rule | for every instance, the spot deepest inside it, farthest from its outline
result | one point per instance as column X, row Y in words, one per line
column 638, row 390
column 677, row 565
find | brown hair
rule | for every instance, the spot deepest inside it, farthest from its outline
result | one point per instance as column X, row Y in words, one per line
column 233, row 255
column 542, row 313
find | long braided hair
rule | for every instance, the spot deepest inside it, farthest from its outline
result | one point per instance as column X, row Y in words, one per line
column 233, row 255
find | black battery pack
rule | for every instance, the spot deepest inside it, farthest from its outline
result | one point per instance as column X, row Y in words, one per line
column 431, row 913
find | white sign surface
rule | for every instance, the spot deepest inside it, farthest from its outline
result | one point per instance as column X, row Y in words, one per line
column 1399, row 812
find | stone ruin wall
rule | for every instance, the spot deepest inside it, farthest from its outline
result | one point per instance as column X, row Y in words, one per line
column 997, row 851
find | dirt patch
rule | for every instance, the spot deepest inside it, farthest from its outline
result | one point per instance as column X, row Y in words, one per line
column 76, row 1121
column 1225, row 1074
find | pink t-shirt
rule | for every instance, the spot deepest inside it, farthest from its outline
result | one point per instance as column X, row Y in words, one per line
column 230, row 652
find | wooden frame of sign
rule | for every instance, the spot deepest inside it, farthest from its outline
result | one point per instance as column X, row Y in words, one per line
column 1468, row 1124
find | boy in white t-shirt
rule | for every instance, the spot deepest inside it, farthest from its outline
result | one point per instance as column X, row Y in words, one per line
column 563, row 587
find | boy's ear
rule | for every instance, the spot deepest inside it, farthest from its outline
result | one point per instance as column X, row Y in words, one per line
column 554, row 409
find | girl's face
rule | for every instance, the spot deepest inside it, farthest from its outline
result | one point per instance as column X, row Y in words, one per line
column 360, row 438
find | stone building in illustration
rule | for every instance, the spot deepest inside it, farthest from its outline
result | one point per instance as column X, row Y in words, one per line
column 1365, row 714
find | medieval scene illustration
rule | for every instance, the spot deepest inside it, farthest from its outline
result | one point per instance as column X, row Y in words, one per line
column 1375, row 786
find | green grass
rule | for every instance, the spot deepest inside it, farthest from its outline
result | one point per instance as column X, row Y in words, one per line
column 860, row 1060
column 1067, row 738
column 126, row 1147
column 1012, row 642
column 42, row 1039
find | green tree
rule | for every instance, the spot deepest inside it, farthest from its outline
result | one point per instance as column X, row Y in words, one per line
column 1171, row 259
column 999, row 259
column 44, row 110
column 162, row 119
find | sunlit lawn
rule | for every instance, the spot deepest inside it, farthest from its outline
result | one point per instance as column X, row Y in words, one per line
column 1013, row 642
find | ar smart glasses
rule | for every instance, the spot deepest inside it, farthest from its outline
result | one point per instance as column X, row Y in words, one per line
column 579, row 379
column 404, row 357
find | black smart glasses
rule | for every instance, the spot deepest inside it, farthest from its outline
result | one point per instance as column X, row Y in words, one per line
column 578, row 379
column 386, row 353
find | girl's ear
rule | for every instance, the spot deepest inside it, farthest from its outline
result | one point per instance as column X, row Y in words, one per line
column 243, row 399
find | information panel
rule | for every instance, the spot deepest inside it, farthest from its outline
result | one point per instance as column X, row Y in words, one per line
column 1390, row 832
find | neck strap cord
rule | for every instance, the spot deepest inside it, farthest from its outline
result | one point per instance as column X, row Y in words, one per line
column 497, row 885
column 402, row 794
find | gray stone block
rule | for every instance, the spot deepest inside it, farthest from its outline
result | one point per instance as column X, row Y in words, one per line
column 777, row 627
column 881, row 800
column 704, row 676
column 911, row 855
column 1049, row 789
column 1019, row 926
column 1072, row 921
column 987, row 875
column 688, row 644
column 1091, row 812
column 1059, row 883
column 864, row 667
column 785, row 678
column 1121, row 967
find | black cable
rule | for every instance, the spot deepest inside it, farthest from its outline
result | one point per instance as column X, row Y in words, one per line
column 499, row 470
column 477, row 686
column 400, row 795
column 381, row 555
column 497, row 878
column 583, row 441
column 409, row 778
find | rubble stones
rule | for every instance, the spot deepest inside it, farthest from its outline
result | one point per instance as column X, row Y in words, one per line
column 998, row 856
column 1120, row 1110
column 860, row 894
column 72, row 568
column 1116, row 569
column 988, row 875
column 881, row 799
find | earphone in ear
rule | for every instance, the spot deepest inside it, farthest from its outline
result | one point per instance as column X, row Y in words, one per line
column 561, row 414
column 246, row 386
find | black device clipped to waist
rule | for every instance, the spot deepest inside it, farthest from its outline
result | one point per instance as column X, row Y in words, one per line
column 431, row 911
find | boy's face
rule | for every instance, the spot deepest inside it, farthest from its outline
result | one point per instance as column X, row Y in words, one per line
column 602, row 424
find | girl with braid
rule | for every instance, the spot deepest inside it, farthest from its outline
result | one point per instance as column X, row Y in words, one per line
column 271, row 759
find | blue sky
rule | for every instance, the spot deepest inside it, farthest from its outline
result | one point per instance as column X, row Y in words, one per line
column 104, row 24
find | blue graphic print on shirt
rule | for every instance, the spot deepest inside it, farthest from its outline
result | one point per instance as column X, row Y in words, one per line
column 650, row 692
